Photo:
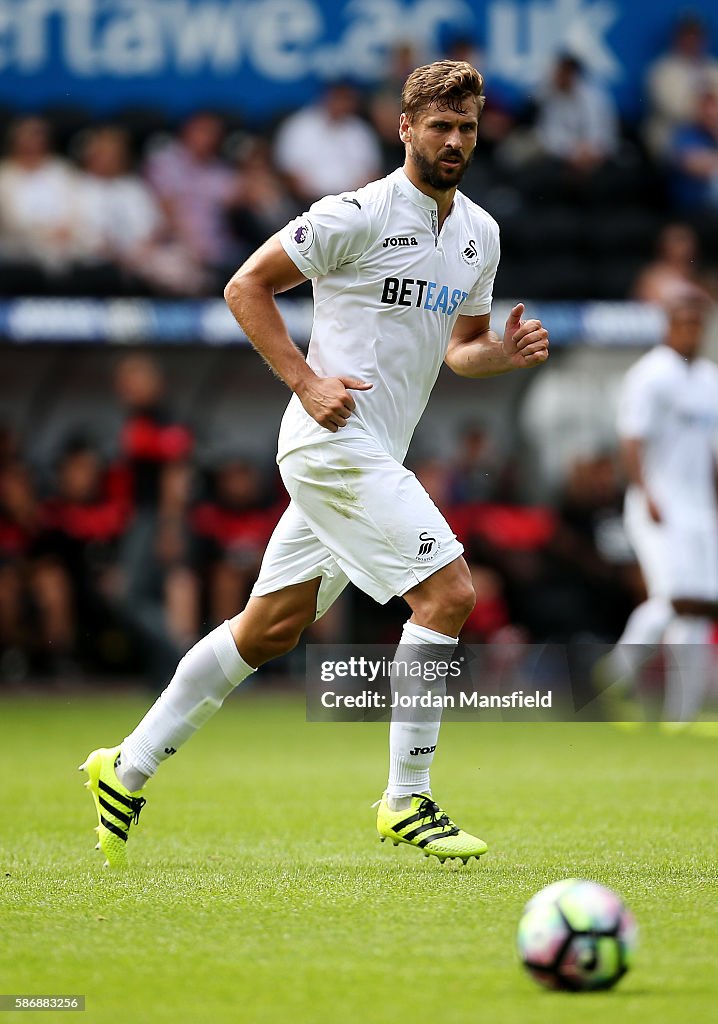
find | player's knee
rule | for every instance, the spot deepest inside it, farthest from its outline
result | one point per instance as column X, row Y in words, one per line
column 462, row 600
column 447, row 608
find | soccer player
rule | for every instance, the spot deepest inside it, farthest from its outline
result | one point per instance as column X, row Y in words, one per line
column 668, row 425
column 403, row 271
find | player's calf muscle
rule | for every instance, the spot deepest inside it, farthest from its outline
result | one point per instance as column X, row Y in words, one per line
column 271, row 625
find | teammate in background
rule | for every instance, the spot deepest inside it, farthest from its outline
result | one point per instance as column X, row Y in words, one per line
column 668, row 425
column 403, row 271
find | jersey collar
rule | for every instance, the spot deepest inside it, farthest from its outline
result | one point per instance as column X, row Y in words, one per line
column 410, row 190
column 678, row 358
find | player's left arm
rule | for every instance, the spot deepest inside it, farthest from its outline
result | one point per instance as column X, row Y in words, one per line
column 477, row 351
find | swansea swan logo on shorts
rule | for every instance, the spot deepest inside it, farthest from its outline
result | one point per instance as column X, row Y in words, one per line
column 303, row 235
column 428, row 546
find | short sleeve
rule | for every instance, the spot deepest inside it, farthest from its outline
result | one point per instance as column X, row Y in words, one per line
column 636, row 405
column 480, row 296
column 333, row 233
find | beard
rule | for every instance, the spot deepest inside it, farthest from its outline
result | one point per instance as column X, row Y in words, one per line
column 438, row 177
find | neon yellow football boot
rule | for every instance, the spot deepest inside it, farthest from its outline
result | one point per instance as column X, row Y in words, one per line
column 116, row 807
column 427, row 827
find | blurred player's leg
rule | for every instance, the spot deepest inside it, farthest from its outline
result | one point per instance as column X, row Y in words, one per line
column 688, row 636
column 644, row 631
column 616, row 674
column 688, row 674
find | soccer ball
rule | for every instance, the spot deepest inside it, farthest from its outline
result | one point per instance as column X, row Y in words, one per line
column 576, row 935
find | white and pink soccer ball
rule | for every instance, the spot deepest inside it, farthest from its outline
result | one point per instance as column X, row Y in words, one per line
column 576, row 935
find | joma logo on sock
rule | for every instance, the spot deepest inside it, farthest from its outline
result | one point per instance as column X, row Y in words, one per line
column 170, row 751
column 422, row 750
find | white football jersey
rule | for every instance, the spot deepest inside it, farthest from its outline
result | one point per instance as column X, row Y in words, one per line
column 672, row 406
column 388, row 288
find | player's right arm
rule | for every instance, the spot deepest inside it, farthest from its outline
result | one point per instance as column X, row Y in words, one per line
column 250, row 295
column 632, row 457
column 637, row 414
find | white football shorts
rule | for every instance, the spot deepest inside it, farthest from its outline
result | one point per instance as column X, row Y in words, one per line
column 679, row 556
column 356, row 515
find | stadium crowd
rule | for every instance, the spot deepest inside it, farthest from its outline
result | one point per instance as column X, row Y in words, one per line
column 143, row 206
column 121, row 563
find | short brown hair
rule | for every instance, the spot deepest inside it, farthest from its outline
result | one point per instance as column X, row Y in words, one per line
column 446, row 83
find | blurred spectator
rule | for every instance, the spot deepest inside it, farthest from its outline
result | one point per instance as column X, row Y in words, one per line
column 577, row 123
column 675, row 269
column 121, row 222
column 9, row 445
column 384, row 112
column 384, row 105
column 503, row 101
column 676, row 78
column 511, row 543
column 402, row 60
column 327, row 148
column 448, row 488
column 263, row 205
column 475, row 469
column 592, row 549
column 693, row 155
column 232, row 529
column 160, row 594
column 38, row 203
column 433, row 475
column 18, row 525
column 463, row 47
column 490, row 614
column 196, row 187
column 75, row 551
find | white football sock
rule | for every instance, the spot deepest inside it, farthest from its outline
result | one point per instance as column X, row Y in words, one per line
column 642, row 634
column 206, row 675
column 688, row 673
column 413, row 733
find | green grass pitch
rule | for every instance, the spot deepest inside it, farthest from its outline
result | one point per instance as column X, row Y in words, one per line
column 260, row 894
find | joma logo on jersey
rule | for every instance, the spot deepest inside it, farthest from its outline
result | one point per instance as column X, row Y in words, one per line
column 399, row 240
column 429, row 295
